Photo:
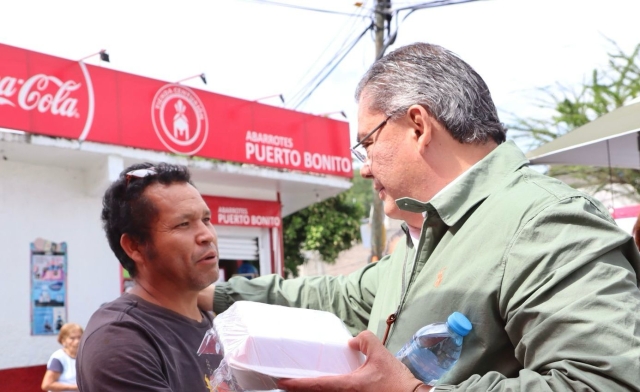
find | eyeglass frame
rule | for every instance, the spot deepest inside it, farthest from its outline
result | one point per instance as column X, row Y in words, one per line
column 140, row 173
column 363, row 158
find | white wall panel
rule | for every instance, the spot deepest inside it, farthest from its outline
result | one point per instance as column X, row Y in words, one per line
column 51, row 203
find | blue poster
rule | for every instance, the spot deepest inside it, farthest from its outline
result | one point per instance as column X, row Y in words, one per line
column 48, row 287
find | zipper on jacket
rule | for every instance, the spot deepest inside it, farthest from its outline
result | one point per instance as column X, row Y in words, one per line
column 390, row 320
column 403, row 295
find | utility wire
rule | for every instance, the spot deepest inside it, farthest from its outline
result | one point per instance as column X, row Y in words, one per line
column 431, row 4
column 304, row 8
column 328, row 67
column 340, row 52
column 334, row 67
column 395, row 13
column 391, row 13
column 314, row 83
column 352, row 29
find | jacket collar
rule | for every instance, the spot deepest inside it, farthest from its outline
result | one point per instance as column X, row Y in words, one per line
column 474, row 186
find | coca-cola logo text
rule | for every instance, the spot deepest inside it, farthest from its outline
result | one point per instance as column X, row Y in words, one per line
column 40, row 92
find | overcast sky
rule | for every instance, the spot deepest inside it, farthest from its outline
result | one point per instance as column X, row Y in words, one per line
column 249, row 49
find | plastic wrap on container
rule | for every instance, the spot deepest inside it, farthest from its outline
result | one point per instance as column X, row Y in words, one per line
column 262, row 343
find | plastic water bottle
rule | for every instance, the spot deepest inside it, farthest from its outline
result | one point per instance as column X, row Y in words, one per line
column 435, row 348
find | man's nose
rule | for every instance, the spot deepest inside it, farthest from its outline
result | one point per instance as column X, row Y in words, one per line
column 208, row 235
column 365, row 171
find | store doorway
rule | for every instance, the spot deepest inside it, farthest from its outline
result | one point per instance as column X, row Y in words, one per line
column 248, row 268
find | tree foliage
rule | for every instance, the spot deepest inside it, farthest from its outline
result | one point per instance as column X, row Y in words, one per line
column 361, row 191
column 328, row 227
column 605, row 90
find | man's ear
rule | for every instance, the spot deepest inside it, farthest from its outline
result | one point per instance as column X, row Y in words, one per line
column 132, row 248
column 422, row 123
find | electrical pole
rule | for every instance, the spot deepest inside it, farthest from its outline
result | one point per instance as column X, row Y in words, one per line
column 378, row 231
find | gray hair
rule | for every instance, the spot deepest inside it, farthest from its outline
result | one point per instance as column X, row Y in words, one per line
column 441, row 82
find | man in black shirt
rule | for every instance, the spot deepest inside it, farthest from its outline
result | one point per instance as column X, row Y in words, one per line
column 159, row 228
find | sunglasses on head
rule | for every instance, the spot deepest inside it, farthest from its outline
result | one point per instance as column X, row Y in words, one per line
column 140, row 173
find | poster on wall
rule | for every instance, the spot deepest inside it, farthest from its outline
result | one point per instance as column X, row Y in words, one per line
column 48, row 286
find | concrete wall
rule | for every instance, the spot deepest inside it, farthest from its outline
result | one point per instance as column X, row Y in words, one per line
column 51, row 203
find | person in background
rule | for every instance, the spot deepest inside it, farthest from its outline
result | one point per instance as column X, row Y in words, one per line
column 544, row 274
column 247, row 269
column 61, row 367
column 159, row 228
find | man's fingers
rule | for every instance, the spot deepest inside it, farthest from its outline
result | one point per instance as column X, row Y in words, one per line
column 328, row 383
column 364, row 342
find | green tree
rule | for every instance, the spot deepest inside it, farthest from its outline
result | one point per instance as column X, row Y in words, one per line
column 604, row 91
column 360, row 192
column 328, row 227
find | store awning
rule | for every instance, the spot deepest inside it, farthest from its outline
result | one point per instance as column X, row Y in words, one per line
column 297, row 189
column 610, row 140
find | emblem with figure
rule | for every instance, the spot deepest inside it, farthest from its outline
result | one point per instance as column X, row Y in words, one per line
column 179, row 119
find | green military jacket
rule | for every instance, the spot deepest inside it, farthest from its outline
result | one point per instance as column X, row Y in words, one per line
column 541, row 270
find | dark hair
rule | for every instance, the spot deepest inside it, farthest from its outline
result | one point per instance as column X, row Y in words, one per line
column 125, row 209
column 438, row 80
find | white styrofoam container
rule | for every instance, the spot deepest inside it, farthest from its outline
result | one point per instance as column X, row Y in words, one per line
column 263, row 343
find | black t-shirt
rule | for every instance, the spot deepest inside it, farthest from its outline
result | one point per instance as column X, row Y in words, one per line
column 133, row 345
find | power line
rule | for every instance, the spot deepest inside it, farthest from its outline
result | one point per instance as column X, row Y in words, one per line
column 390, row 13
column 352, row 30
column 395, row 13
column 333, row 67
column 431, row 4
column 269, row 2
column 328, row 67
column 325, row 71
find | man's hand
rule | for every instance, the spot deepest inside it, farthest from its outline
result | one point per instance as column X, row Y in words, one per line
column 380, row 372
column 205, row 298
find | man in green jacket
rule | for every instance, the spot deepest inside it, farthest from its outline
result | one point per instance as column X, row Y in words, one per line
column 543, row 273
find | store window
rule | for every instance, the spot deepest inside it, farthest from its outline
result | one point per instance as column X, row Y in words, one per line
column 239, row 256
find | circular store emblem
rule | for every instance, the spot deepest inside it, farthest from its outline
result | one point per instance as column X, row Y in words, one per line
column 179, row 119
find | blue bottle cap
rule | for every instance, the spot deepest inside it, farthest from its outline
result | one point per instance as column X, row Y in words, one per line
column 459, row 324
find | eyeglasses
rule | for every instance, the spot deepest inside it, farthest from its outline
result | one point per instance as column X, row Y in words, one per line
column 359, row 151
column 140, row 173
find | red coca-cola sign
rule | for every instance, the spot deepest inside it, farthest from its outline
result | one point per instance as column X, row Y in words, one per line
column 52, row 96
column 44, row 94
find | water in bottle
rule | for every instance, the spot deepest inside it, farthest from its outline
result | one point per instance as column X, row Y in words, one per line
column 435, row 348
